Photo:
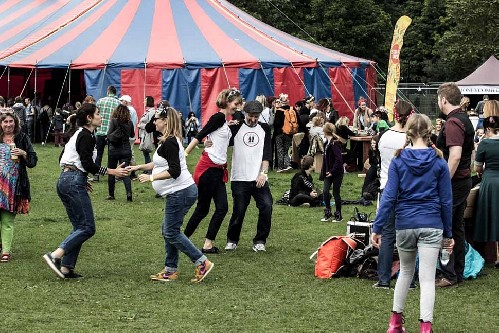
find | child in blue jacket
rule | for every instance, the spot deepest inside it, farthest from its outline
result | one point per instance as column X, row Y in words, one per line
column 419, row 188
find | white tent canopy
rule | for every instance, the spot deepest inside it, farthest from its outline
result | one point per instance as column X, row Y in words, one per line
column 484, row 80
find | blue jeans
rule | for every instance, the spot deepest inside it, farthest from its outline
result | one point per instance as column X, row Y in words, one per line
column 177, row 205
column 147, row 156
column 385, row 257
column 73, row 194
column 242, row 193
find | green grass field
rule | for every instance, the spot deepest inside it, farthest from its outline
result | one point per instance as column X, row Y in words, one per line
column 274, row 291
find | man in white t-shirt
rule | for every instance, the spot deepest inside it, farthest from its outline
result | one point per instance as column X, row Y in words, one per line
column 250, row 164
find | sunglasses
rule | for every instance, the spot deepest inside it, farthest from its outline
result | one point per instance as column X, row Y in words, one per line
column 162, row 111
column 6, row 111
column 233, row 92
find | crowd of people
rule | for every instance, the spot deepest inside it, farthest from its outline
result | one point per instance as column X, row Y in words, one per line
column 421, row 171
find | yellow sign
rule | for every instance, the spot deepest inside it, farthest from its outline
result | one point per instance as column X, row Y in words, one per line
column 393, row 77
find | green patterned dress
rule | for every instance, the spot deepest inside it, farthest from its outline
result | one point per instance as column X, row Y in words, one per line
column 487, row 211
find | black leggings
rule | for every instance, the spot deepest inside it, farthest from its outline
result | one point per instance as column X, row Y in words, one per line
column 211, row 186
column 334, row 181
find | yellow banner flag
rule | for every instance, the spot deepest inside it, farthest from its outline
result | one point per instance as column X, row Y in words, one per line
column 392, row 79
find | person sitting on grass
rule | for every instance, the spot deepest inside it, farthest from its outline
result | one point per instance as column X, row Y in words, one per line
column 303, row 191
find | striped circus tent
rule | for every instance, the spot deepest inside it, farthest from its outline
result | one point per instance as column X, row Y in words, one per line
column 184, row 51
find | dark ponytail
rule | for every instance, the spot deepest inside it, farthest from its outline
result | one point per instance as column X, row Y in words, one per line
column 86, row 109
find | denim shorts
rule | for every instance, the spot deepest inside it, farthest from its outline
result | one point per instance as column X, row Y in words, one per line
column 411, row 239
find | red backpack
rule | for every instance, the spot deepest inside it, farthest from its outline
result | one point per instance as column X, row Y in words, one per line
column 331, row 255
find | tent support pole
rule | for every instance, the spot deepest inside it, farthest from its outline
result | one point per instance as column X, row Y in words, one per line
column 339, row 92
column 145, row 82
column 8, row 83
column 34, row 104
column 296, row 72
column 268, row 81
column 69, row 87
column 225, row 72
column 62, row 87
column 26, row 83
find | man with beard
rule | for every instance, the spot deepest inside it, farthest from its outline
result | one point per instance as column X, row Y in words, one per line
column 250, row 163
column 456, row 142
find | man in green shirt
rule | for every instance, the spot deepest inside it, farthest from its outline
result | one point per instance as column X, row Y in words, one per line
column 106, row 106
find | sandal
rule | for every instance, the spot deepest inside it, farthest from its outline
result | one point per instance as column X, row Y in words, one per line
column 443, row 283
column 213, row 250
column 5, row 257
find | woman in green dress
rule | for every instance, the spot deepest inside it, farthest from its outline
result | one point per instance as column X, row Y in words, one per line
column 487, row 166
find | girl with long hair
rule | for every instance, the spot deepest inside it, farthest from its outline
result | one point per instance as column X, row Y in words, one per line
column 332, row 173
column 170, row 178
column 120, row 151
column 211, row 173
column 419, row 190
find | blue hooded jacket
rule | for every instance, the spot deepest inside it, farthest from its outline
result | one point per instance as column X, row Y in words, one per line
column 419, row 187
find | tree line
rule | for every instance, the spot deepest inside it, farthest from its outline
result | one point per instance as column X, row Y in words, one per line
column 446, row 41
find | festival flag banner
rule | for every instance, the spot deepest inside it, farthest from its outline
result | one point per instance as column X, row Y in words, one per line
column 392, row 79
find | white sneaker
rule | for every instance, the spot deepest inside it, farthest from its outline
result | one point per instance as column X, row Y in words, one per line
column 231, row 246
column 306, row 205
column 259, row 247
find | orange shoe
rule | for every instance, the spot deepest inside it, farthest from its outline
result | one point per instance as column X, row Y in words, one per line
column 202, row 270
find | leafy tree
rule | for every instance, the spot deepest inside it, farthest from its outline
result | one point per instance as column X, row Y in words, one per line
column 420, row 60
column 274, row 13
column 472, row 36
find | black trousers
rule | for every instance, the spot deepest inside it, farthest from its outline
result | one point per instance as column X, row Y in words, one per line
column 242, row 193
column 454, row 270
column 211, row 186
column 334, row 181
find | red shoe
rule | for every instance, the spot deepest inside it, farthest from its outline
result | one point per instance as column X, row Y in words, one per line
column 396, row 322
column 425, row 327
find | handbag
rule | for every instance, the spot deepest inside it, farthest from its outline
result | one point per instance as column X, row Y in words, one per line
column 147, row 142
column 360, row 217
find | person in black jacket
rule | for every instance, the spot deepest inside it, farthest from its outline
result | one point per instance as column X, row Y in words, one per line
column 303, row 191
column 370, row 189
column 120, row 151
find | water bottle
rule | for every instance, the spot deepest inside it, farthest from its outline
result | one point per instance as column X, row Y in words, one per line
column 445, row 253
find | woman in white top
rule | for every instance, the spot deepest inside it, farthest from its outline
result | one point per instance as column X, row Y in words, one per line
column 211, row 172
column 266, row 117
column 391, row 140
column 362, row 115
column 171, row 178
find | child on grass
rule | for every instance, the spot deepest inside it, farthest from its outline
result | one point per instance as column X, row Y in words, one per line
column 332, row 173
column 419, row 189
